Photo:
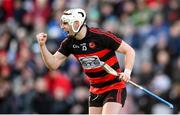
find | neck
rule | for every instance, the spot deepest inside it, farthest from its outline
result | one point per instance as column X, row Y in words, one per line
column 82, row 33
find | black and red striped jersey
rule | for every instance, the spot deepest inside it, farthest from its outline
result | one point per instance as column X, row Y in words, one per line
column 97, row 44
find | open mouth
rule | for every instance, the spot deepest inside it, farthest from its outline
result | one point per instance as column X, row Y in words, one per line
column 66, row 31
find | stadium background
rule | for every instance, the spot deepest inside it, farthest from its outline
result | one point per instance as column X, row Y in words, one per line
column 151, row 27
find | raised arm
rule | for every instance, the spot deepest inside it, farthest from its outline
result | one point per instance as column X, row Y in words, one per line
column 50, row 60
column 129, row 53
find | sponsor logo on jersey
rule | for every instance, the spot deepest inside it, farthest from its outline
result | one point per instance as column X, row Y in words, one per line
column 82, row 46
column 90, row 62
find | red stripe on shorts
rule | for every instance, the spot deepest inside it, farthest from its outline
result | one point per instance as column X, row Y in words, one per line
column 119, row 95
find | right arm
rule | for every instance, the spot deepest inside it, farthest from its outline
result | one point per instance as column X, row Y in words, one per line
column 50, row 60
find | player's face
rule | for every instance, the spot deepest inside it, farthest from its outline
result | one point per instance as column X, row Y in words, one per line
column 67, row 28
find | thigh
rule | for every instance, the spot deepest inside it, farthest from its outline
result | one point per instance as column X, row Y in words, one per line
column 95, row 110
column 111, row 108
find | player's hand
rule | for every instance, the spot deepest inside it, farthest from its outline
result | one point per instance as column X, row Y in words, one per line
column 124, row 76
column 41, row 38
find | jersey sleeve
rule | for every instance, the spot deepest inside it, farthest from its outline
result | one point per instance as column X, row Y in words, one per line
column 111, row 41
column 64, row 49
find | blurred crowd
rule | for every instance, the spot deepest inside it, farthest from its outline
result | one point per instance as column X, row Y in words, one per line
column 151, row 27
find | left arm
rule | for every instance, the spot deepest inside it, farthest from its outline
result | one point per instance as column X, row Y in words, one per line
column 129, row 53
column 114, row 43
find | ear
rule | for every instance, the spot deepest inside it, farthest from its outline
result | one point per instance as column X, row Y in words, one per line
column 76, row 25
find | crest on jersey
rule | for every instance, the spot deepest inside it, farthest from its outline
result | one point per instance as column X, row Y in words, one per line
column 92, row 45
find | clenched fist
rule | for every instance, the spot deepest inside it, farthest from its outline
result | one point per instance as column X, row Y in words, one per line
column 41, row 38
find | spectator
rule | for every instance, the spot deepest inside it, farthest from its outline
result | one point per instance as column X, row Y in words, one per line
column 8, row 102
column 42, row 102
column 58, row 81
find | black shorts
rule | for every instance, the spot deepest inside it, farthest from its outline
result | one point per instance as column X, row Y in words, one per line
column 115, row 95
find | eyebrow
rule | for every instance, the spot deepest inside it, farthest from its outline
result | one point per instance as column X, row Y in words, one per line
column 65, row 22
